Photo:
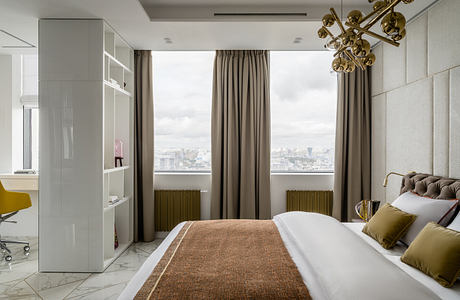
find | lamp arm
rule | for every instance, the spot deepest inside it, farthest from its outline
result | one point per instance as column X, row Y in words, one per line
column 385, row 181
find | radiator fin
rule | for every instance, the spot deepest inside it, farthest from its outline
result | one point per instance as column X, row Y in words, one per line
column 311, row 201
column 175, row 206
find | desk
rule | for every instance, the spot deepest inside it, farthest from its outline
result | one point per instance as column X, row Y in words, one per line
column 20, row 182
column 27, row 218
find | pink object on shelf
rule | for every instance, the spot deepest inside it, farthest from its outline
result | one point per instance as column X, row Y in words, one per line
column 118, row 148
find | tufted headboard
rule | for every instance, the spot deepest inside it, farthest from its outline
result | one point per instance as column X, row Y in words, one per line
column 435, row 187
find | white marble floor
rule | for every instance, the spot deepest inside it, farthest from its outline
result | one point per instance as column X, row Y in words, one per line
column 20, row 279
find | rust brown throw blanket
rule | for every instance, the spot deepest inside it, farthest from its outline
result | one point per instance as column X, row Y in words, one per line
column 226, row 259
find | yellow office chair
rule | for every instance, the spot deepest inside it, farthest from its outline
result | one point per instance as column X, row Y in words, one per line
column 10, row 204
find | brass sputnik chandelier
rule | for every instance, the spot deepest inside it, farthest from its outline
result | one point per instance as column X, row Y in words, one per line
column 352, row 50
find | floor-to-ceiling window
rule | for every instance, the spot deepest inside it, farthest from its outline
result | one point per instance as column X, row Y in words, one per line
column 182, row 96
column 303, row 108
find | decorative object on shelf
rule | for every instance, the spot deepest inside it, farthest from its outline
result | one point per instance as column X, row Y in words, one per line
column 115, row 244
column 114, row 82
column 352, row 50
column 365, row 209
column 118, row 152
column 113, row 199
column 118, row 160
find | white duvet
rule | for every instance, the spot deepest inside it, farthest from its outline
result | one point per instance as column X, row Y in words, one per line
column 335, row 260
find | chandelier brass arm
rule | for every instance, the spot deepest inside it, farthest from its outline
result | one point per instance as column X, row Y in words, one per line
column 382, row 13
column 340, row 51
column 372, row 34
column 371, row 14
column 355, row 61
column 351, row 49
column 336, row 18
column 329, row 33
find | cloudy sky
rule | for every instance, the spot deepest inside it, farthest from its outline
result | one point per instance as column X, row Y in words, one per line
column 303, row 99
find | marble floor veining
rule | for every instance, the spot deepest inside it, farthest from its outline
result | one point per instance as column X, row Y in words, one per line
column 20, row 279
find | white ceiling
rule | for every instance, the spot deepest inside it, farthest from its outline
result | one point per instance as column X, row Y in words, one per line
column 253, row 2
column 189, row 29
column 8, row 40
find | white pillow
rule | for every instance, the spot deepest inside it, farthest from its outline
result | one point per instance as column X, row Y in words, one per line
column 426, row 209
column 455, row 225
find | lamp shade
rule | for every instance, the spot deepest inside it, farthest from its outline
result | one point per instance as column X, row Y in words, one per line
column 118, row 148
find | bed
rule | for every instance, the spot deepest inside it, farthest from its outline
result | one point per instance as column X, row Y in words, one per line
column 334, row 260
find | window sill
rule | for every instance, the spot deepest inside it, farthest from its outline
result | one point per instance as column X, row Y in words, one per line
column 272, row 173
column 182, row 173
column 303, row 173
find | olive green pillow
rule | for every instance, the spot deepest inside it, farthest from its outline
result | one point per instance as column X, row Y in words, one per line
column 436, row 252
column 388, row 225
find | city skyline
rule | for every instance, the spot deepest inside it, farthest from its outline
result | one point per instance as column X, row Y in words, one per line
column 310, row 159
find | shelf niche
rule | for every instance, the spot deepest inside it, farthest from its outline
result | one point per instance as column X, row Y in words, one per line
column 118, row 125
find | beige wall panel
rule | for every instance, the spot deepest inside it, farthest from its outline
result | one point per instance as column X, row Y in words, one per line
column 409, row 131
column 394, row 66
column 441, row 124
column 454, row 166
column 444, row 36
column 378, row 146
column 417, row 48
column 377, row 71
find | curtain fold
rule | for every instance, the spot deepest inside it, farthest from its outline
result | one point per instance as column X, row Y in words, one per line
column 240, row 135
column 352, row 176
column 144, row 225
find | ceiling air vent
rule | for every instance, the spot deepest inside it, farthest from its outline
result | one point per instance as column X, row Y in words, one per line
column 260, row 14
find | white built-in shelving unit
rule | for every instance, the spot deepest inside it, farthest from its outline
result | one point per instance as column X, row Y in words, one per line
column 86, row 103
column 118, row 110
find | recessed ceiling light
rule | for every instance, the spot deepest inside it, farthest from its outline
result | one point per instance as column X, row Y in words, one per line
column 297, row 40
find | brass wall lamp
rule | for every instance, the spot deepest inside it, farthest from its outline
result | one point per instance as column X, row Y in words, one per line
column 385, row 181
column 352, row 50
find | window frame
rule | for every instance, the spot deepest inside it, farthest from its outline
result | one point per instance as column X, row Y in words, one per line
column 27, row 160
column 27, row 138
column 301, row 172
column 29, row 103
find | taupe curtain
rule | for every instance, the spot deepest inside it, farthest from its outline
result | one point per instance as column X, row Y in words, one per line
column 352, row 176
column 240, row 135
column 144, row 226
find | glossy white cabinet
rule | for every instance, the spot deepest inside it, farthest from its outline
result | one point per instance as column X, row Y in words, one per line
column 71, row 49
column 73, row 188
